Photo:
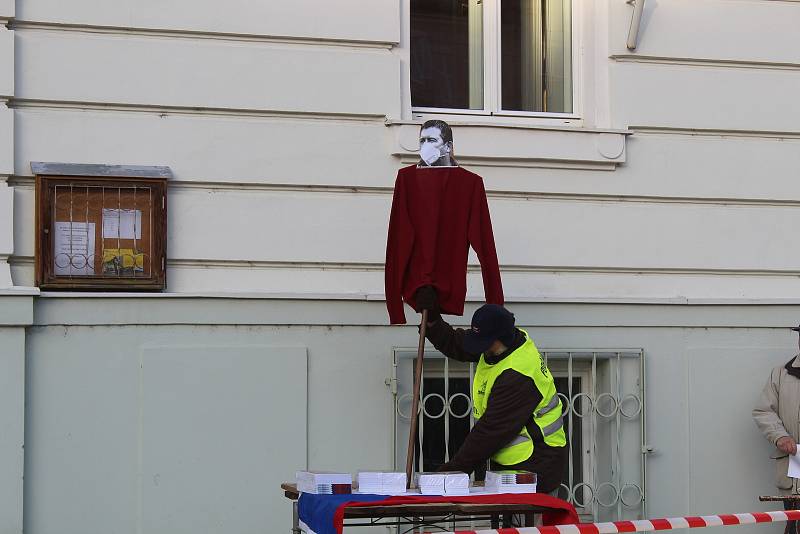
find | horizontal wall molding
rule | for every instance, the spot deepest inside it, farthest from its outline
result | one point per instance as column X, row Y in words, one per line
column 161, row 33
column 717, row 133
column 27, row 182
column 61, row 309
column 528, row 163
column 163, row 111
column 183, row 263
column 704, row 62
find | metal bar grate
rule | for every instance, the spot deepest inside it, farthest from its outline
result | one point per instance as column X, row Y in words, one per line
column 102, row 231
column 602, row 394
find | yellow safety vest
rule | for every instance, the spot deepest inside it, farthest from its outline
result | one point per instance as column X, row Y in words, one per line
column 525, row 360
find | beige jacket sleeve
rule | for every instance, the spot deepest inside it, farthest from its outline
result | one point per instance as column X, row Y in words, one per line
column 765, row 412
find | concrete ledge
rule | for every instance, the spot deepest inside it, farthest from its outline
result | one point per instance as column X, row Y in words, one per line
column 101, row 310
column 521, row 146
column 90, row 169
column 16, row 307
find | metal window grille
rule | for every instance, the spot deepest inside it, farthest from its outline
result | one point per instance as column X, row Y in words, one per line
column 120, row 246
column 602, row 395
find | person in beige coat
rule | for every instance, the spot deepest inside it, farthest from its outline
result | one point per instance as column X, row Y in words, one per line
column 777, row 415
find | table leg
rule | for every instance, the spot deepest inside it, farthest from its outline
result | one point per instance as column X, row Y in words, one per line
column 530, row 520
column 495, row 521
column 507, row 520
column 295, row 519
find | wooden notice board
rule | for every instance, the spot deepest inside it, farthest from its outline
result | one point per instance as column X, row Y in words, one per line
column 101, row 233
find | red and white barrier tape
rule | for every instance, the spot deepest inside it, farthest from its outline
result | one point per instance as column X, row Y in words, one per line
column 647, row 525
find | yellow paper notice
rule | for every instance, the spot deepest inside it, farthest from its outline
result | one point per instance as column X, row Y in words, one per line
column 124, row 257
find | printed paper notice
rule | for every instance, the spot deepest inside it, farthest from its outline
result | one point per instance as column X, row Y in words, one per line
column 794, row 466
column 122, row 224
column 73, row 248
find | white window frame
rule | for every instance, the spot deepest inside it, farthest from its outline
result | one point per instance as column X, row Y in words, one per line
column 492, row 74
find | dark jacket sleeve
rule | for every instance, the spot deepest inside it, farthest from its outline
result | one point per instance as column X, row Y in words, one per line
column 449, row 341
column 482, row 240
column 511, row 403
column 399, row 244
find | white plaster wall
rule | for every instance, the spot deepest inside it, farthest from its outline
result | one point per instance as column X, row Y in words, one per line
column 12, row 421
column 698, row 96
column 685, row 243
column 705, row 366
column 237, row 120
column 738, row 31
column 170, row 430
column 283, row 173
column 192, row 429
column 122, row 69
column 246, row 148
column 342, row 20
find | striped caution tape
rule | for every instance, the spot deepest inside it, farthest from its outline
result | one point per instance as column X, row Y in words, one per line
column 646, row 525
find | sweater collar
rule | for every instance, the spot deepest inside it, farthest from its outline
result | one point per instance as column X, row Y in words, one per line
column 793, row 366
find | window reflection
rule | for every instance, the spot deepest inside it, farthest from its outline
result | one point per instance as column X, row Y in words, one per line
column 447, row 54
column 536, row 55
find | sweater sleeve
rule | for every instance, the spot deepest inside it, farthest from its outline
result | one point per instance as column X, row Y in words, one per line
column 449, row 341
column 511, row 403
column 399, row 243
column 482, row 240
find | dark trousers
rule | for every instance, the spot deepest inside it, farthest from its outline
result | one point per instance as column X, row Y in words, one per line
column 791, row 526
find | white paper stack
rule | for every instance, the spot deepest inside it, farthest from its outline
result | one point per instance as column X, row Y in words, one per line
column 322, row 482
column 381, row 483
column 510, row 481
column 456, row 483
column 430, row 483
column 447, row 483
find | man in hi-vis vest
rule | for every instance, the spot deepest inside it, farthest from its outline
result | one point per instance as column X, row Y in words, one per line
column 518, row 414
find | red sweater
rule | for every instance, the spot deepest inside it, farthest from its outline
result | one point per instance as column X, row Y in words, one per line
column 437, row 213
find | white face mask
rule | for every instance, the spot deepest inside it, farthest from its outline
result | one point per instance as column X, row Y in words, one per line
column 429, row 153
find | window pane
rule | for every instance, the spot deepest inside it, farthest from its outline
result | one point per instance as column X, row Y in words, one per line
column 536, row 62
column 447, row 54
column 576, row 434
column 433, row 428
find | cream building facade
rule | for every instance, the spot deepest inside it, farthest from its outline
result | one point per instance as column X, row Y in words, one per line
column 654, row 220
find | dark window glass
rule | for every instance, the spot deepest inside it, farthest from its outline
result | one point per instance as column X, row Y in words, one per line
column 434, row 429
column 536, row 50
column 447, row 54
column 433, row 444
column 576, row 446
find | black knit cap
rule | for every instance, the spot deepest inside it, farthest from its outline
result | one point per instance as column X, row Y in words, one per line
column 490, row 323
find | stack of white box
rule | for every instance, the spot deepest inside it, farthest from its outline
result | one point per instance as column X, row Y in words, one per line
column 324, row 483
column 381, row 483
column 510, row 482
column 448, row 483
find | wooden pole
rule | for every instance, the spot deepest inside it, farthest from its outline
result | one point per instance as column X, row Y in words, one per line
column 412, row 431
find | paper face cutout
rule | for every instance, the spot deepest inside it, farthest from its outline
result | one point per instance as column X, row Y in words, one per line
column 436, row 145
